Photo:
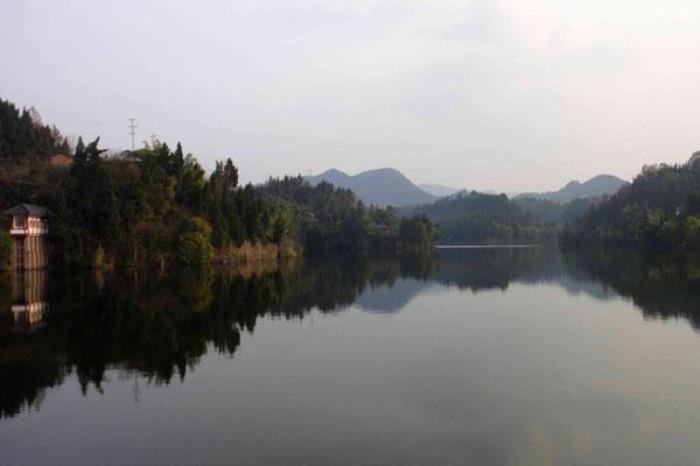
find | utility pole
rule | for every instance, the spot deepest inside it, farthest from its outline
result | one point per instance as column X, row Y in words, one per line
column 132, row 131
column 154, row 138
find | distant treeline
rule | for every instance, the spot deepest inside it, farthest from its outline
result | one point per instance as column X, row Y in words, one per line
column 157, row 206
column 659, row 210
column 478, row 218
column 331, row 220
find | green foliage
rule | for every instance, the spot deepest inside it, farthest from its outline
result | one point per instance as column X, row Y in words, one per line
column 280, row 226
column 692, row 231
column 659, row 210
column 24, row 138
column 147, row 207
column 330, row 220
column 476, row 218
column 417, row 233
column 547, row 212
column 194, row 246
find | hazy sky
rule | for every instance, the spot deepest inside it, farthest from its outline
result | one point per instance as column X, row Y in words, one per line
column 505, row 95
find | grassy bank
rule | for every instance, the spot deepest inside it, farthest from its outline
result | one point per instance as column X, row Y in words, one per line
column 248, row 253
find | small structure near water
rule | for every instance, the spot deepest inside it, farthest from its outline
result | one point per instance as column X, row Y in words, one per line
column 28, row 229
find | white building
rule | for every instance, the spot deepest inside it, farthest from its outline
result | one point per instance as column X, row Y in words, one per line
column 28, row 229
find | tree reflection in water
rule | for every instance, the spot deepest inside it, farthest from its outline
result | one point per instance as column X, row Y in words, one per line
column 159, row 326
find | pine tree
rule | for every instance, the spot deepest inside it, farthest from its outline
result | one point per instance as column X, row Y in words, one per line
column 110, row 218
column 79, row 158
column 178, row 161
column 230, row 175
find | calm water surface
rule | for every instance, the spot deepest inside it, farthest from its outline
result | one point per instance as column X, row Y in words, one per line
column 484, row 357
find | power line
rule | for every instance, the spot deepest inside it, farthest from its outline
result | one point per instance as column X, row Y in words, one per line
column 132, row 131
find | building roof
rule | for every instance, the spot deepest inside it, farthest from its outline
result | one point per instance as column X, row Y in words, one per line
column 60, row 159
column 27, row 209
column 124, row 156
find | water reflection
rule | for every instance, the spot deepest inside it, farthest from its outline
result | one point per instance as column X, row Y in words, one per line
column 161, row 326
column 664, row 286
column 29, row 301
column 661, row 286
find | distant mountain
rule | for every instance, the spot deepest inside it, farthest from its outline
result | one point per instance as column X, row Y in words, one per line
column 438, row 190
column 595, row 187
column 333, row 176
column 382, row 187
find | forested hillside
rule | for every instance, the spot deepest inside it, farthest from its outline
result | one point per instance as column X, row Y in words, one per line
column 477, row 218
column 152, row 206
column 332, row 220
column 158, row 206
column 660, row 210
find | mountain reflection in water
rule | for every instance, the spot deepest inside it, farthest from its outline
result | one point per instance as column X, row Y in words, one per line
column 160, row 326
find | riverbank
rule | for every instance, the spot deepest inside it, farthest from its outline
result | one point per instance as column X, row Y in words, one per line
column 249, row 252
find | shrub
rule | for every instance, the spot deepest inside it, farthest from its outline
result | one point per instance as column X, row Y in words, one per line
column 194, row 242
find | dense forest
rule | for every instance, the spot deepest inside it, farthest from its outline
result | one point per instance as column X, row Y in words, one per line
column 659, row 210
column 478, row 218
column 158, row 206
column 332, row 220
column 23, row 136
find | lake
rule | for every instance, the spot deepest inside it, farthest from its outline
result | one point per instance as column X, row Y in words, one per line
column 475, row 356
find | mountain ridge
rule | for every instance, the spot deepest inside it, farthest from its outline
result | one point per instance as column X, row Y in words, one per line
column 597, row 186
column 380, row 187
column 438, row 190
